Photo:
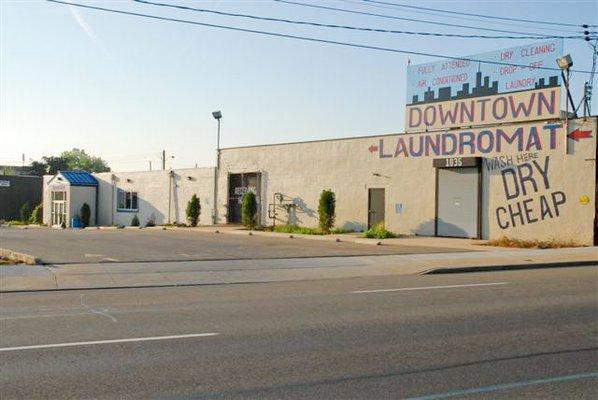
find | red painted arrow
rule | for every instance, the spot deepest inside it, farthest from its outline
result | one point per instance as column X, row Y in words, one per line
column 372, row 148
column 577, row 134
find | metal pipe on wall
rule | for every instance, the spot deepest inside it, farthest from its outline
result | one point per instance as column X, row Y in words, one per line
column 170, row 179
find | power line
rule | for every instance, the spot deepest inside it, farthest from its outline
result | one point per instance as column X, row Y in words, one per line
column 304, row 38
column 480, row 15
column 460, row 17
column 322, row 25
column 345, row 10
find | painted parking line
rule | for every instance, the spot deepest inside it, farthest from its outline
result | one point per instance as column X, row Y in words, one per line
column 507, row 386
column 111, row 341
column 429, row 287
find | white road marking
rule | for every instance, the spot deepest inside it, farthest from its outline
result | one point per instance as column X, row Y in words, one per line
column 110, row 259
column 43, row 316
column 429, row 287
column 141, row 339
column 94, row 255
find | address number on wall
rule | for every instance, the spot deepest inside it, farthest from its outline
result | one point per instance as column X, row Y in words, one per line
column 456, row 162
column 453, row 162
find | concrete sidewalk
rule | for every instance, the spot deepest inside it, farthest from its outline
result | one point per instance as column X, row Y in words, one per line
column 153, row 274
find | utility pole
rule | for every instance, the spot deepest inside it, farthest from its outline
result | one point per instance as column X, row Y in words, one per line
column 163, row 159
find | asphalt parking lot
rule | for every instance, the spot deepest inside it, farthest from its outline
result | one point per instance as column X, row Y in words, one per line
column 127, row 245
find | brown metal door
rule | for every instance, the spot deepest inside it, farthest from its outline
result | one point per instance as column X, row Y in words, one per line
column 375, row 207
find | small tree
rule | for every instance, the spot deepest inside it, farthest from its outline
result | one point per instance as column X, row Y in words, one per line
column 37, row 215
column 85, row 214
column 25, row 212
column 135, row 220
column 193, row 210
column 249, row 210
column 327, row 210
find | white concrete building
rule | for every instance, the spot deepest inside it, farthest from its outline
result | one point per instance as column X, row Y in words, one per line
column 524, row 180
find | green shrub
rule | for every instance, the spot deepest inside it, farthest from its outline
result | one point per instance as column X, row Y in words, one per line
column 297, row 229
column 25, row 212
column 85, row 215
column 135, row 220
column 193, row 210
column 15, row 223
column 379, row 232
column 37, row 215
column 249, row 210
column 327, row 210
column 338, row 231
column 292, row 228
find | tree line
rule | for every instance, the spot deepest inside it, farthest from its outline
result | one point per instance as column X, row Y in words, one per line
column 75, row 159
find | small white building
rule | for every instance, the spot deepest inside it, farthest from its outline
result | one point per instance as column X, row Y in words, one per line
column 64, row 195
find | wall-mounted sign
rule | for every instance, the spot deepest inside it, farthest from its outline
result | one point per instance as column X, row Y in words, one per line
column 4, row 183
column 447, row 81
column 456, row 162
column 493, row 140
column 529, row 105
column 398, row 208
column 241, row 190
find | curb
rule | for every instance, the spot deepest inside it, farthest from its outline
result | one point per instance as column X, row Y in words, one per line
column 128, row 287
column 509, row 267
column 20, row 257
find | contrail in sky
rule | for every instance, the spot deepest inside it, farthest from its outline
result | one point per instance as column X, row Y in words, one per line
column 88, row 29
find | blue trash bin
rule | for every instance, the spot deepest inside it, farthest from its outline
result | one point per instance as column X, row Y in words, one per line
column 76, row 222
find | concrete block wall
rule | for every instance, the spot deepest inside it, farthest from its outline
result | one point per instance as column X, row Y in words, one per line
column 153, row 191
column 351, row 166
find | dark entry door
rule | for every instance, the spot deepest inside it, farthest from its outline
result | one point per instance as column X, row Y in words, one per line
column 375, row 207
column 238, row 185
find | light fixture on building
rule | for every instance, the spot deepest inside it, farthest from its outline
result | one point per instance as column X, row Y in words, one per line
column 565, row 62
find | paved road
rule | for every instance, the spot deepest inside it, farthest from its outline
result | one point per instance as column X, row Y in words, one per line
column 524, row 334
column 111, row 245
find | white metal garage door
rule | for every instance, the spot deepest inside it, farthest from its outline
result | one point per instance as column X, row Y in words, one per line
column 457, row 214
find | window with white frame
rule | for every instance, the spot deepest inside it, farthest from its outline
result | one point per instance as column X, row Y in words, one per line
column 127, row 201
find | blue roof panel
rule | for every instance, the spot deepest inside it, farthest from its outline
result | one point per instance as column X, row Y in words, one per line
column 79, row 178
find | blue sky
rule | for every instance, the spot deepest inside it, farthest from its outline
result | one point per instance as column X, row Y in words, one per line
column 125, row 88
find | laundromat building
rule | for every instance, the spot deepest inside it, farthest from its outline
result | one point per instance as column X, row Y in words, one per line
column 533, row 180
column 473, row 162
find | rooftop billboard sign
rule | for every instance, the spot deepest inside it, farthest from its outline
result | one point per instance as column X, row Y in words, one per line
column 459, row 93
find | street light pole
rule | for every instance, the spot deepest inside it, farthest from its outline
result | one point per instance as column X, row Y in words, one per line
column 218, row 116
